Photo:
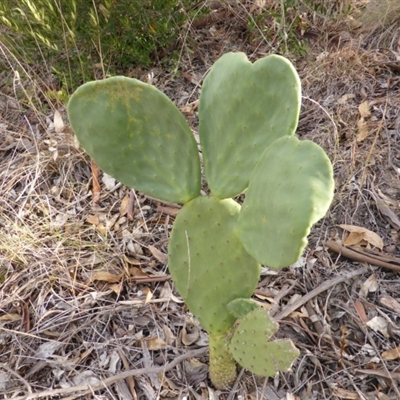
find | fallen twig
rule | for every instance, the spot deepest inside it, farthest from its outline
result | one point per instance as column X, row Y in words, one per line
column 362, row 257
column 315, row 292
column 113, row 379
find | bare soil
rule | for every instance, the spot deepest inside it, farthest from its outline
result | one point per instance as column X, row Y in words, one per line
column 87, row 309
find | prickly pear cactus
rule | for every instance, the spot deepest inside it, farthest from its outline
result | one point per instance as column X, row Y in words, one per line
column 240, row 307
column 251, row 348
column 300, row 178
column 137, row 135
column 243, row 108
column 208, row 261
column 248, row 115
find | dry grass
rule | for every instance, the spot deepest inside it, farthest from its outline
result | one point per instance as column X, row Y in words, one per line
column 85, row 295
column 381, row 24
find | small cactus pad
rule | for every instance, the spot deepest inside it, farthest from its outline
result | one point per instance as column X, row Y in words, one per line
column 290, row 189
column 138, row 136
column 249, row 345
column 239, row 308
column 208, row 263
column 222, row 365
column 243, row 108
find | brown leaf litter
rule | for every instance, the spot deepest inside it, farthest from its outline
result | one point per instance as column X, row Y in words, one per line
column 87, row 309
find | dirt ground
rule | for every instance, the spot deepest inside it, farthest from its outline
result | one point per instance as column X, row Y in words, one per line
column 87, row 309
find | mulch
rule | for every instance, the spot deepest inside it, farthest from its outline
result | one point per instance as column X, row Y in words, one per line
column 87, row 309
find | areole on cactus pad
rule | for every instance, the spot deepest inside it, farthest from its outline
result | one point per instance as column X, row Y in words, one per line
column 248, row 114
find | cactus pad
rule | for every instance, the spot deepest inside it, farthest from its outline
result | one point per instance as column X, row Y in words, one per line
column 249, row 345
column 239, row 308
column 290, row 189
column 138, row 136
column 208, row 263
column 243, row 108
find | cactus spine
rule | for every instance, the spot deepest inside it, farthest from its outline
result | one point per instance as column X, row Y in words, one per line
column 248, row 115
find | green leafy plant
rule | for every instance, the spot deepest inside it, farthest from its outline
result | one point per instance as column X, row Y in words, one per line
column 80, row 39
column 248, row 115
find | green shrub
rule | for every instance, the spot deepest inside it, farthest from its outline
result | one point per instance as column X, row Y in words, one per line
column 79, row 39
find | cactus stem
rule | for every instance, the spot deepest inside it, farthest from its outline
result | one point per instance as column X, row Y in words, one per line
column 222, row 365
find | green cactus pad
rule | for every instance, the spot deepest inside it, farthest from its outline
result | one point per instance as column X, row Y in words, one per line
column 208, row 263
column 290, row 189
column 243, row 108
column 249, row 345
column 138, row 136
column 239, row 308
column 222, row 365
